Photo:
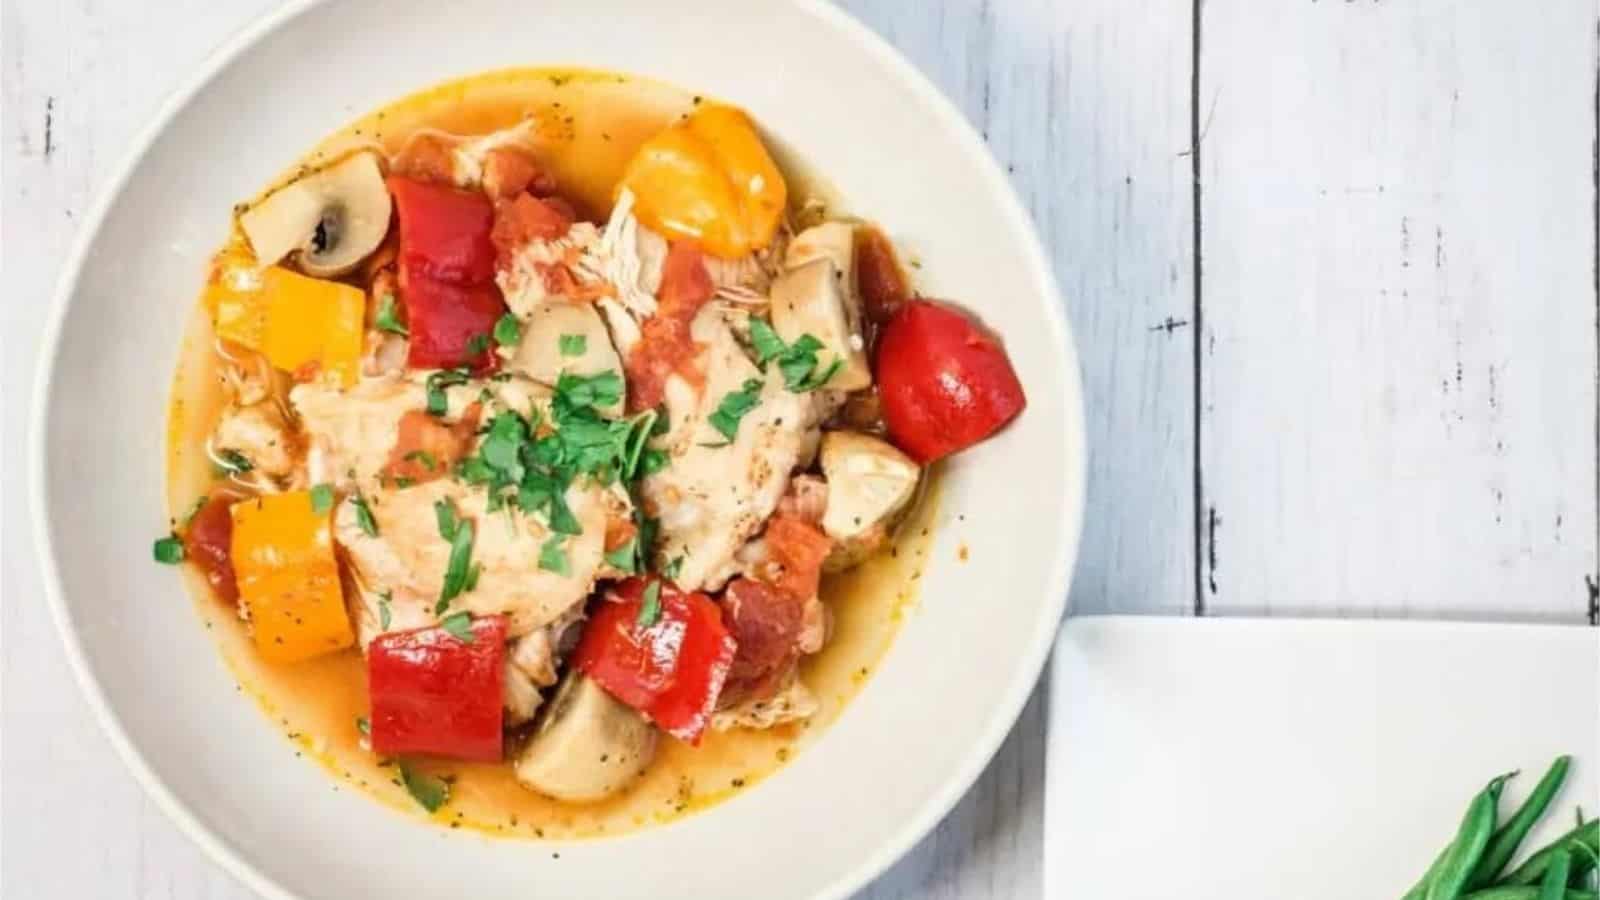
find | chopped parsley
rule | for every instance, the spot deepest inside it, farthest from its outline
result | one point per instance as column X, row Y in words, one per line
column 363, row 726
column 553, row 556
column 424, row 458
column 169, row 550
column 194, row 510
column 233, row 462
column 734, row 406
column 650, row 604
column 508, row 330
column 802, row 371
column 364, row 515
column 625, row 557
column 321, row 499
column 573, row 344
column 459, row 624
column 478, row 343
column 458, row 532
column 438, row 400
column 388, row 318
column 672, row 568
column 384, row 599
column 430, row 791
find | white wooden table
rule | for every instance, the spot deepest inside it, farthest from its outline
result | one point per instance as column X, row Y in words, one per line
column 1332, row 270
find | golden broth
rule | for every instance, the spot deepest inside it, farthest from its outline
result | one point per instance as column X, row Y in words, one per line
column 591, row 122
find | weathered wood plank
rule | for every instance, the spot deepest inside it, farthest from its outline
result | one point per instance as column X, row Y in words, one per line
column 1399, row 308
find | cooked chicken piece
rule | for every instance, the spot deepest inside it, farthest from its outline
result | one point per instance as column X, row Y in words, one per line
column 408, row 557
column 257, row 433
column 523, row 282
column 535, row 655
column 792, row 703
column 806, row 499
column 531, row 663
column 353, row 431
column 371, row 608
column 472, row 160
column 812, row 300
column 629, row 257
column 870, row 486
column 833, row 241
column 385, row 354
column 714, row 494
column 565, row 336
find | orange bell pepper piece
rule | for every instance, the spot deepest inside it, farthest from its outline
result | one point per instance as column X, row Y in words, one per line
column 710, row 179
column 297, row 322
column 288, row 578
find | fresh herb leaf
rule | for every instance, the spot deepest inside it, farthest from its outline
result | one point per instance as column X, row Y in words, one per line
column 321, row 499
column 364, row 515
column 553, row 556
column 384, row 600
column 477, row 344
column 472, row 578
column 444, row 513
column 573, row 344
column 459, row 565
column 401, row 481
column 233, row 462
column 438, row 400
column 169, row 550
column 508, row 331
column 734, row 406
column 625, row 557
column 650, row 604
column 424, row 458
column 798, row 361
column 672, row 568
column 765, row 340
column 459, row 624
column 388, row 319
column 577, row 391
column 363, row 726
column 430, row 791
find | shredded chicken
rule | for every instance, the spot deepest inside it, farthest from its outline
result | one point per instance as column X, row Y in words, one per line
column 260, row 435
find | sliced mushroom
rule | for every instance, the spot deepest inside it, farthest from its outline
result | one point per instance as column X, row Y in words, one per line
column 588, row 745
column 565, row 336
column 833, row 241
column 335, row 217
column 870, row 486
column 812, row 300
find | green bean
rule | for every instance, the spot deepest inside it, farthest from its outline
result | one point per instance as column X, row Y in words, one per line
column 1532, row 869
column 1555, row 877
column 1420, row 889
column 1473, row 835
column 1503, row 846
column 1525, row 892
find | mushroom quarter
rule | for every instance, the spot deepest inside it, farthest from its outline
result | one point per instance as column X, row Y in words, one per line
column 332, row 218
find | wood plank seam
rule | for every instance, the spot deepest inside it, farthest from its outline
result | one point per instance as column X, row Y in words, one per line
column 1207, row 563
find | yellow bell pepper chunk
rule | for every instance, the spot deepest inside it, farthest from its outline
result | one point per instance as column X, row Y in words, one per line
column 288, row 577
column 295, row 321
column 710, row 179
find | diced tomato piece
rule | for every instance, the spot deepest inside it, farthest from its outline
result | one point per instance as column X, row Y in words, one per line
column 450, row 324
column 672, row 669
column 766, row 623
column 524, row 218
column 427, row 448
column 508, row 171
column 945, row 383
column 879, row 278
column 426, row 157
column 665, row 346
column 432, row 692
column 208, row 541
column 799, row 549
column 444, row 231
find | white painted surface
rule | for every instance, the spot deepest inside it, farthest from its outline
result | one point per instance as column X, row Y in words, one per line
column 1398, row 241
column 1320, row 760
column 1088, row 104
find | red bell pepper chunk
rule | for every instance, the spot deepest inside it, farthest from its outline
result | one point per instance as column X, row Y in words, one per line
column 672, row 669
column 450, row 324
column 945, row 384
column 444, row 231
column 432, row 692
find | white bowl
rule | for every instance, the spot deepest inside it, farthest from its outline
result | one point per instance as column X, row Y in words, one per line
column 900, row 755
